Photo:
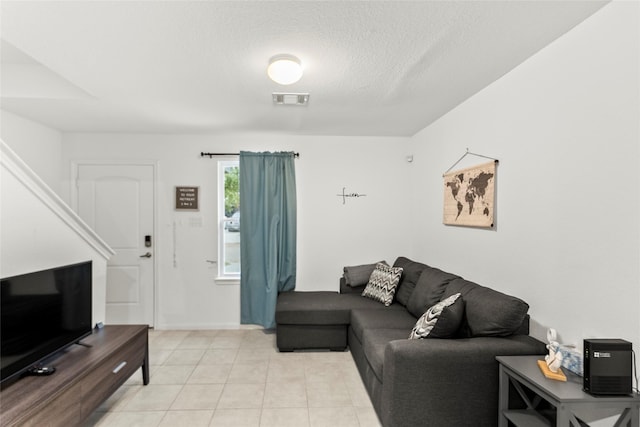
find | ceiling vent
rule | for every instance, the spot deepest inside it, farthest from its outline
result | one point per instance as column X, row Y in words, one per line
column 280, row 98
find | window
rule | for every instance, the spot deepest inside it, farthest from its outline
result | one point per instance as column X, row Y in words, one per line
column 229, row 219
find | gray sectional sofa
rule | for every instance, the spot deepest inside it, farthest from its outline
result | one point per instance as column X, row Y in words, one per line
column 449, row 381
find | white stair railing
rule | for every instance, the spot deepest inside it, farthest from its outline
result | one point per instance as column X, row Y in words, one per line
column 13, row 164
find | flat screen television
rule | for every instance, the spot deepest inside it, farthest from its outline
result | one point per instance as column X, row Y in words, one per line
column 42, row 313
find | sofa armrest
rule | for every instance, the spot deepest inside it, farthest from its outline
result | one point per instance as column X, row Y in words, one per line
column 453, row 379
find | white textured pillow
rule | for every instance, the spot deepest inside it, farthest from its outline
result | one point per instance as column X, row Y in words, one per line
column 446, row 315
column 383, row 283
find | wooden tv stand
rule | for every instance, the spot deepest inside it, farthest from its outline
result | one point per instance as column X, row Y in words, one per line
column 84, row 378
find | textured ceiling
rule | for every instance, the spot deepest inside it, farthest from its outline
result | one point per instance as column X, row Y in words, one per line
column 372, row 67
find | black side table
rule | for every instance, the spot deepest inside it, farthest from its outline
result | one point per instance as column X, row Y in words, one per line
column 567, row 397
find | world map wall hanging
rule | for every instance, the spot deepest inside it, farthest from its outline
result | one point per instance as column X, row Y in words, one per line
column 469, row 196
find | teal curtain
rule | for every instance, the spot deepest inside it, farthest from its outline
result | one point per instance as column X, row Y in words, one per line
column 267, row 233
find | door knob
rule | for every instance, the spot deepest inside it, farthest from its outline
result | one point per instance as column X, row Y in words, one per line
column 147, row 255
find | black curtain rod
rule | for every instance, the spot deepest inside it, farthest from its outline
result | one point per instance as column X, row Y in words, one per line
column 203, row 154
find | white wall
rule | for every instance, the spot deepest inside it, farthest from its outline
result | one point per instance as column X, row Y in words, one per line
column 37, row 145
column 330, row 234
column 564, row 126
column 37, row 231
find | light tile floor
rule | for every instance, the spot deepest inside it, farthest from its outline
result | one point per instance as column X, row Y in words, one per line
column 238, row 378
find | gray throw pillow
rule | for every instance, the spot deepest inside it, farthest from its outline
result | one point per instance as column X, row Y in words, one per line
column 358, row 275
column 487, row 311
column 411, row 271
column 429, row 290
column 441, row 320
column 382, row 283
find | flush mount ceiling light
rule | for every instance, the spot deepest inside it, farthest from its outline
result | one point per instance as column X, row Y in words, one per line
column 284, row 69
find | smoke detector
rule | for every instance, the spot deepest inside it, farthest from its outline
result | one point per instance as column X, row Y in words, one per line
column 280, row 98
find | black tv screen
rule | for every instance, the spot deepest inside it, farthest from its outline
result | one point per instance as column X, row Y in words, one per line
column 42, row 313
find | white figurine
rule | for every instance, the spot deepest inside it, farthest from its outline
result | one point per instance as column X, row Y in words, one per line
column 554, row 358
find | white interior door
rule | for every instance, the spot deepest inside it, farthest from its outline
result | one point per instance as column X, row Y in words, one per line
column 117, row 201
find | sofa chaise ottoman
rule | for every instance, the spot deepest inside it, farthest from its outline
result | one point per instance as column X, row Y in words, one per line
column 318, row 320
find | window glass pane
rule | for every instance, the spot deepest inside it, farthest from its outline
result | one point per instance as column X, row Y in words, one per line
column 231, row 252
column 230, row 245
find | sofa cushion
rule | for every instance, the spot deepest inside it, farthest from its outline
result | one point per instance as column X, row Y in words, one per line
column 411, row 271
column 487, row 311
column 374, row 342
column 357, row 301
column 323, row 307
column 400, row 318
column 359, row 275
column 382, row 283
column 441, row 320
column 429, row 290
column 313, row 308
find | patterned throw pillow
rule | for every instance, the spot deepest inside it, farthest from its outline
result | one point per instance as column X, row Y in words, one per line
column 442, row 320
column 382, row 283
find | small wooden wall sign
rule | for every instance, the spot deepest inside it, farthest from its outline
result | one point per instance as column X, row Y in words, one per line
column 187, row 198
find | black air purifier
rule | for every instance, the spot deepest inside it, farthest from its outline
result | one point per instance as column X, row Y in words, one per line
column 607, row 366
